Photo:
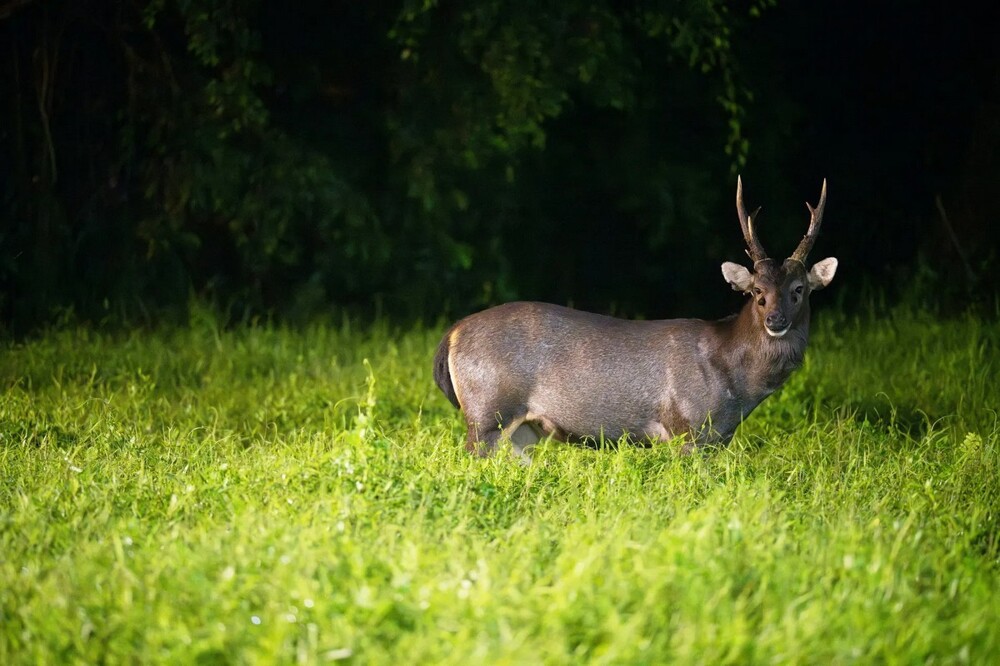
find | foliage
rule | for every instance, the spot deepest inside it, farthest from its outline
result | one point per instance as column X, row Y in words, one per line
column 278, row 495
column 254, row 211
column 489, row 127
column 278, row 160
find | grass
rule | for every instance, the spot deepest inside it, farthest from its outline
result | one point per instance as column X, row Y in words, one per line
column 268, row 495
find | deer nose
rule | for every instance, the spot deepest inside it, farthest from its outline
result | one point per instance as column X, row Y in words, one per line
column 775, row 321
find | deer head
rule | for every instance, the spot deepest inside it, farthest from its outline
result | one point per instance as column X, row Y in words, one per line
column 780, row 292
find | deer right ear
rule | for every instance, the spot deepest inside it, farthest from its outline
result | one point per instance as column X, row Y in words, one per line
column 738, row 276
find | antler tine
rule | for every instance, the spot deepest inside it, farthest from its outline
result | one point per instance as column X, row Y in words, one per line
column 815, row 220
column 754, row 248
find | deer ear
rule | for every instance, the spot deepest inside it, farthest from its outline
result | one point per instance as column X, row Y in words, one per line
column 738, row 276
column 822, row 273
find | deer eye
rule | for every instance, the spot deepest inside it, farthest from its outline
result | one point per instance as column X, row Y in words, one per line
column 798, row 290
column 757, row 291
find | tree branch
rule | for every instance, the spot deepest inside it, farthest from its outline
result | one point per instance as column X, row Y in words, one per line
column 969, row 273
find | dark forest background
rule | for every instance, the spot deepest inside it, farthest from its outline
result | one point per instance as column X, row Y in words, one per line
column 421, row 158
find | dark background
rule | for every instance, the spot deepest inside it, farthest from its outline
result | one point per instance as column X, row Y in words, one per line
column 295, row 159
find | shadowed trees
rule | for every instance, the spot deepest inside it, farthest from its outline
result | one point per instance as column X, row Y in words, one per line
column 420, row 157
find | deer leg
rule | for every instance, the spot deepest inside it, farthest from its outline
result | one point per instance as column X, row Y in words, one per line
column 485, row 435
column 655, row 432
column 523, row 439
column 482, row 440
column 704, row 441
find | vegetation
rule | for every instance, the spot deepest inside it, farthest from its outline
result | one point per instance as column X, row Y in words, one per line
column 417, row 157
column 208, row 488
column 278, row 158
column 198, row 495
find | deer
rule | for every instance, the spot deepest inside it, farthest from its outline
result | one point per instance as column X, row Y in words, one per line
column 523, row 371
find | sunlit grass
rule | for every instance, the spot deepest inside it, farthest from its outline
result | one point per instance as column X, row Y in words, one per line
column 264, row 494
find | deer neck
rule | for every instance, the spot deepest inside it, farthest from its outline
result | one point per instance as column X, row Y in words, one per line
column 758, row 362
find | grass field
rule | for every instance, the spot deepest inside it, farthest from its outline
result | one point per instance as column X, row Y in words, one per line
column 267, row 495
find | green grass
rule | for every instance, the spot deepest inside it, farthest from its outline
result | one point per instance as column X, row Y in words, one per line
column 266, row 495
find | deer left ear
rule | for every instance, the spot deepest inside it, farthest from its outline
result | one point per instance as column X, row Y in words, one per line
column 822, row 272
column 738, row 276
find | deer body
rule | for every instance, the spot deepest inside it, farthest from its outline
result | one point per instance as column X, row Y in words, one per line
column 527, row 370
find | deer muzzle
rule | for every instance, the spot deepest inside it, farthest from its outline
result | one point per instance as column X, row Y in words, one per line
column 776, row 324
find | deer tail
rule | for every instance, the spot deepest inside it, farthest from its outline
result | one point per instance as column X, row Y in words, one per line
column 442, row 374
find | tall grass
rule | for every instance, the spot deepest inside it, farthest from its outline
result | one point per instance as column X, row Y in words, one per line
column 302, row 496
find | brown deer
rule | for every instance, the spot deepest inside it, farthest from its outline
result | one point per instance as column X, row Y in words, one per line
column 523, row 371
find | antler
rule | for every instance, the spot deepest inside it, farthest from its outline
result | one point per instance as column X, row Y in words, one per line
column 815, row 219
column 754, row 249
